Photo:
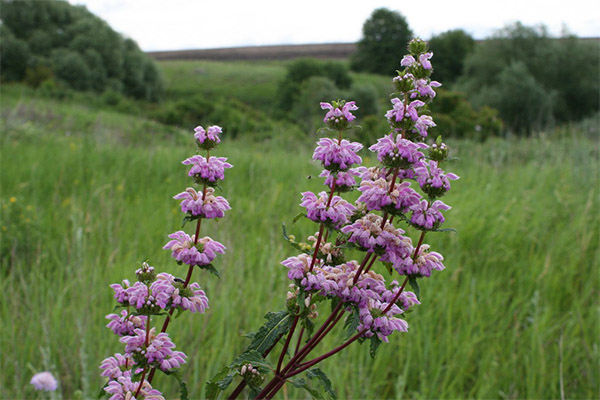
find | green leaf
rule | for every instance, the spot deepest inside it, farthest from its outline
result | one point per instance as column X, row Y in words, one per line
column 415, row 286
column 179, row 312
column 302, row 384
column 388, row 267
column 309, row 326
column 251, row 357
column 375, row 342
column 188, row 218
column 183, row 391
column 317, row 373
column 351, row 323
column 102, row 393
column 297, row 217
column 444, row 230
column 213, row 386
column 210, row 268
column 278, row 323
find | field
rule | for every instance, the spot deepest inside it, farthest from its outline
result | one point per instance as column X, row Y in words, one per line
column 87, row 196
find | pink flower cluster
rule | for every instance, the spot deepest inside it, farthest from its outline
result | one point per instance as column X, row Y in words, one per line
column 208, row 171
column 185, row 251
column 335, row 212
column 337, row 155
column 203, row 204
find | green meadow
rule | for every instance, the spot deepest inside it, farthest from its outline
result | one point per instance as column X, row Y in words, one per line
column 86, row 196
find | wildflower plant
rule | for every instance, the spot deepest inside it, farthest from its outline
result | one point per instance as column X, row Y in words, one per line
column 399, row 195
column 154, row 295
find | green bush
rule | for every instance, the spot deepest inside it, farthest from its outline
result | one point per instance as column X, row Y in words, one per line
column 532, row 78
column 299, row 71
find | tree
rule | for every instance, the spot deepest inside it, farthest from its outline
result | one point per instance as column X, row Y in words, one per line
column 532, row 78
column 385, row 36
column 56, row 39
column 450, row 50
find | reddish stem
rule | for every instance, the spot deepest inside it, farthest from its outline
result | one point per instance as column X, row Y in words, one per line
column 287, row 343
column 303, row 367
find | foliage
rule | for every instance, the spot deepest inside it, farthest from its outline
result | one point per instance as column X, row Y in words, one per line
column 450, row 49
column 300, row 71
column 383, row 43
column 84, row 191
column 80, row 49
column 533, row 79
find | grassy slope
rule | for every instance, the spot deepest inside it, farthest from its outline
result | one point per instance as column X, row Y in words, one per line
column 513, row 316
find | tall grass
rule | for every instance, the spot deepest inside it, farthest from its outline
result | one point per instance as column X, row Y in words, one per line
column 515, row 314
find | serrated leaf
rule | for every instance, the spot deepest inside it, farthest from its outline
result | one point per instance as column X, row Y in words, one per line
column 415, row 286
column 278, row 324
column 300, row 383
column 212, row 386
column 351, row 323
column 375, row 342
column 210, row 268
column 317, row 373
column 251, row 357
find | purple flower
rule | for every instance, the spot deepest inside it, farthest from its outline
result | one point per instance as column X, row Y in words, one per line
column 424, row 60
column 207, row 206
column 422, row 124
column 113, row 367
column 423, row 88
column 335, row 112
column 336, row 214
column 298, row 266
column 124, row 389
column 403, row 197
column 424, row 263
column 183, row 249
column 44, row 381
column 407, row 299
column 344, row 180
column 401, row 153
column 125, row 324
column 408, row 61
column 399, row 112
column 368, row 233
column 372, row 318
column 428, row 216
column 159, row 348
column 121, row 291
column 210, row 139
column 374, row 194
column 196, row 301
column 207, row 171
column 337, row 156
column 433, row 180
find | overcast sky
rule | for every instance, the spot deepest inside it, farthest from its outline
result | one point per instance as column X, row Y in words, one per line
column 199, row 24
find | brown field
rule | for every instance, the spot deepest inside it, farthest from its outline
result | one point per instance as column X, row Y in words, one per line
column 279, row 52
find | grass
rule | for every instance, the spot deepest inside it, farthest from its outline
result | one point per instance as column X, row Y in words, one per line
column 86, row 197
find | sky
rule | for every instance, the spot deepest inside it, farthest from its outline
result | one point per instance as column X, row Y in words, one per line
column 199, row 24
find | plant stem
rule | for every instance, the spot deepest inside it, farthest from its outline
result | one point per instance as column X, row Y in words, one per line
column 303, row 367
column 287, row 343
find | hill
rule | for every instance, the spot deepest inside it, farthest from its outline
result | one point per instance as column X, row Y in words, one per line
column 278, row 52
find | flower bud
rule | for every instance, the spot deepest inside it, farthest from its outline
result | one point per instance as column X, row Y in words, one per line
column 417, row 46
column 146, row 273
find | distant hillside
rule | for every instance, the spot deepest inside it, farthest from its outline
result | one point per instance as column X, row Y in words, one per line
column 279, row 52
